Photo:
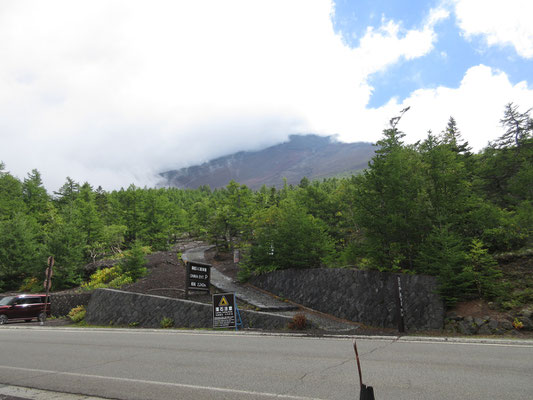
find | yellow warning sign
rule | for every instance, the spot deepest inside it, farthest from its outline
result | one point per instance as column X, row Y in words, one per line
column 223, row 302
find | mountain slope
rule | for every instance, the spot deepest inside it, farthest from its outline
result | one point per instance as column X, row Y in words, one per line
column 312, row 156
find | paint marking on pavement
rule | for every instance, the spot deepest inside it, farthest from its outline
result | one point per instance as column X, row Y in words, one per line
column 178, row 385
column 522, row 346
column 38, row 394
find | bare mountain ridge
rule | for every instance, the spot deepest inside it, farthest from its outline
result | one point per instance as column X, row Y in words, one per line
column 312, row 156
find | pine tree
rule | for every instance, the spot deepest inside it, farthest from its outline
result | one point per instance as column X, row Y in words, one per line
column 67, row 193
column 482, row 271
column 11, row 201
column 35, row 196
column 519, row 127
column 21, row 253
column 452, row 136
column 288, row 237
column 391, row 203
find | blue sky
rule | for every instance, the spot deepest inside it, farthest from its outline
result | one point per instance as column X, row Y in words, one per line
column 114, row 92
column 445, row 65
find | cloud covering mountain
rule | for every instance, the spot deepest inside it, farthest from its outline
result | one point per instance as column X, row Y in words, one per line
column 114, row 92
column 311, row 156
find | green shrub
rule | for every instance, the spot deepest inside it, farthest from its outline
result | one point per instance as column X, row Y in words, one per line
column 166, row 323
column 120, row 281
column 511, row 304
column 287, row 236
column 516, row 299
column 244, row 273
column 32, row 285
column 112, row 277
column 483, row 271
column 77, row 314
column 134, row 260
column 518, row 324
column 525, row 296
column 504, row 238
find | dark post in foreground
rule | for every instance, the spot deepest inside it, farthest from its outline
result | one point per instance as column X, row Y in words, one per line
column 367, row 392
column 47, row 283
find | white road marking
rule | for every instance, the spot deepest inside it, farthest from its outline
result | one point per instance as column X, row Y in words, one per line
column 38, row 394
column 523, row 346
column 179, row 385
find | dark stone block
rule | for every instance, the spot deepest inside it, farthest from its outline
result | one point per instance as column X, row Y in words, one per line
column 61, row 304
column 369, row 297
column 126, row 308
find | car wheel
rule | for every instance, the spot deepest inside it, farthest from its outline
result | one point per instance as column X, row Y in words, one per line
column 3, row 319
column 42, row 317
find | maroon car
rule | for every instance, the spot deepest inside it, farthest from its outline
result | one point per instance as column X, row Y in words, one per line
column 24, row 307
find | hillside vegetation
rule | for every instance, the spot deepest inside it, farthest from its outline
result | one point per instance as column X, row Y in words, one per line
column 433, row 207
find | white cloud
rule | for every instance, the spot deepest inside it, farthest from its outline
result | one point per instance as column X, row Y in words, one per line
column 113, row 92
column 387, row 45
column 499, row 22
column 477, row 105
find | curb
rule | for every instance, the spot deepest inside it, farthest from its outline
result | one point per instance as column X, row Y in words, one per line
column 399, row 339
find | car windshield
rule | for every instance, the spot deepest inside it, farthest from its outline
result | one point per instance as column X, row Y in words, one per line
column 7, row 300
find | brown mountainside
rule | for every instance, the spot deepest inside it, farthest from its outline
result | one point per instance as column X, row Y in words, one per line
column 312, row 156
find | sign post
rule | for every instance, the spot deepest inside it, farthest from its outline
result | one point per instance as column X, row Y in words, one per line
column 198, row 277
column 47, row 284
column 225, row 311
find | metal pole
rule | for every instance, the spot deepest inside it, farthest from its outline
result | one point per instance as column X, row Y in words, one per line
column 401, row 323
column 187, row 273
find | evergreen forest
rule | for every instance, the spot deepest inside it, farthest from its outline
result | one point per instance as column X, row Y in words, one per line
column 433, row 207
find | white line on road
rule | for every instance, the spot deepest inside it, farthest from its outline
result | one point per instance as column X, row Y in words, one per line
column 523, row 346
column 38, row 394
column 179, row 385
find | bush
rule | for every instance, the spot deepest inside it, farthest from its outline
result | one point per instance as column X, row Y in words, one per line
column 525, row 296
column 112, row 277
column 299, row 322
column 77, row 314
column 134, row 260
column 166, row 323
column 518, row 324
column 32, row 285
column 511, row 304
column 483, row 271
column 244, row 273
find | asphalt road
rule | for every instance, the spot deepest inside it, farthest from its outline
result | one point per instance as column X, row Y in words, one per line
column 146, row 364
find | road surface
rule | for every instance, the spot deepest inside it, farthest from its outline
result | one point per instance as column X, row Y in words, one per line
column 174, row 364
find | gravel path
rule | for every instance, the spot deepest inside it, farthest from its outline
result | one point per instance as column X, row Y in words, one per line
column 264, row 301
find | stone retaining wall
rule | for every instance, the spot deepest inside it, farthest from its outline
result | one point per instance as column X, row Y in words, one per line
column 61, row 304
column 369, row 297
column 115, row 307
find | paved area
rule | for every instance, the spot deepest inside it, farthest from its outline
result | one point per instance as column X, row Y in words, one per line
column 265, row 301
column 248, row 294
column 138, row 364
column 9, row 392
